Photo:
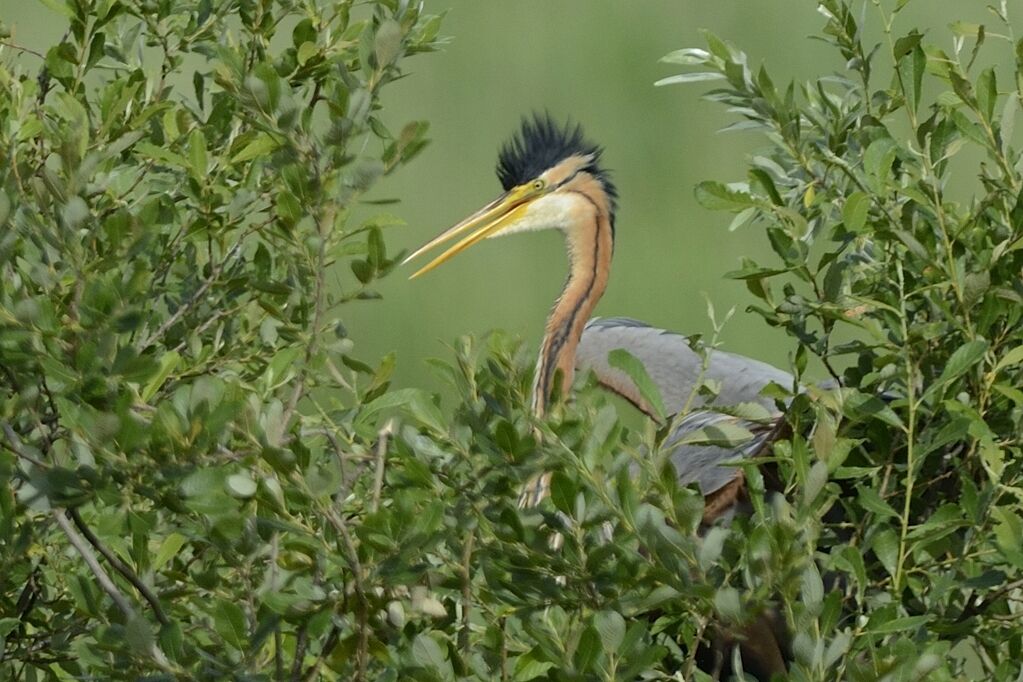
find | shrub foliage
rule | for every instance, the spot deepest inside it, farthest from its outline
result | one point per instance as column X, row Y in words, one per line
column 891, row 195
column 201, row 481
column 178, row 192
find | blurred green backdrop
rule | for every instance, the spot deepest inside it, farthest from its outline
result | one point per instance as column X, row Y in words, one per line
column 594, row 61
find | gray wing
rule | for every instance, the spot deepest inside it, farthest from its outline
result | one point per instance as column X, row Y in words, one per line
column 709, row 465
column 675, row 368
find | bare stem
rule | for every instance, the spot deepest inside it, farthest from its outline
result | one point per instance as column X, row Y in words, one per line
column 102, row 577
column 119, row 566
column 324, row 224
column 463, row 635
column 19, row 48
column 381, row 464
column 362, row 612
column 192, row 302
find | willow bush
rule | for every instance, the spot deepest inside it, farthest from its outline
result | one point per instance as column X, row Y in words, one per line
column 179, row 182
column 202, row 481
column 891, row 195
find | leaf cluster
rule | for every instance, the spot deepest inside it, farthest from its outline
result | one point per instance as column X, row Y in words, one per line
column 181, row 230
column 890, row 193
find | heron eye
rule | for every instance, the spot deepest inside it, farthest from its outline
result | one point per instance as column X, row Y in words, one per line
column 539, row 184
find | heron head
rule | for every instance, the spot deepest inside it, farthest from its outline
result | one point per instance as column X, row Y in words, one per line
column 552, row 179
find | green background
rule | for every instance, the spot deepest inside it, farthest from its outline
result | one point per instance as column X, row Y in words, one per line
column 594, row 61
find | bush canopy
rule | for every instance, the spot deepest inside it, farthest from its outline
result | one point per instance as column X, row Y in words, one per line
column 201, row 479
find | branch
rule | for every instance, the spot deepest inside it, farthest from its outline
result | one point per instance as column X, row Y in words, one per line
column 191, row 303
column 19, row 48
column 102, row 577
column 14, row 445
column 981, row 605
column 463, row 635
column 119, row 566
column 352, row 555
column 323, row 225
column 381, row 463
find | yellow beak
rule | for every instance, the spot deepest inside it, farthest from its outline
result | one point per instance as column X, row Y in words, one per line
column 486, row 222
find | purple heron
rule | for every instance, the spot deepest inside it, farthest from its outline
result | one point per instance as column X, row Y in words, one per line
column 553, row 179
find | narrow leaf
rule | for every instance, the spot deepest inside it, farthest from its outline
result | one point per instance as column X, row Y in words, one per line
column 633, row 367
column 689, row 78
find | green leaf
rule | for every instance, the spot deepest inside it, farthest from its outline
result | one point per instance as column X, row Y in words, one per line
column 854, row 212
column 611, row 627
column 689, row 56
column 812, row 587
column 850, row 559
column 169, row 549
column 428, row 654
column 860, row 407
column 1010, row 359
column 625, row 361
column 230, row 623
column 168, row 363
column 241, row 485
column 138, row 634
column 419, row 403
column 689, row 78
column 60, row 7
column 871, row 500
column 5, row 208
column 387, row 44
column 588, row 649
column 528, row 667
column 901, row 624
column 877, row 162
column 886, row 547
column 964, row 357
column 8, row 625
column 197, row 155
column 711, row 547
column 306, row 52
column 717, row 197
column 906, row 44
column 726, row 433
column 166, row 156
column 261, row 145
column 987, row 93
column 563, row 493
column 728, row 604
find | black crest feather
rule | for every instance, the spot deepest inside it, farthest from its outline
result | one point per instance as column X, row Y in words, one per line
column 540, row 144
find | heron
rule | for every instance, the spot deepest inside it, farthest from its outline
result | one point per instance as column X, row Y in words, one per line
column 553, row 178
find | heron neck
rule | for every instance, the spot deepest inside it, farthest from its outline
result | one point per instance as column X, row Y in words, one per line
column 590, row 245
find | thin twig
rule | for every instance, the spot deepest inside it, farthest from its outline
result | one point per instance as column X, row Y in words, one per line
column 191, row 303
column 278, row 658
column 14, row 444
column 352, row 555
column 324, row 224
column 381, row 463
column 971, row 610
column 102, row 577
column 335, row 444
column 690, row 669
column 328, row 645
column 301, row 642
column 119, row 566
column 504, row 650
column 463, row 635
column 19, row 48
column 85, row 551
